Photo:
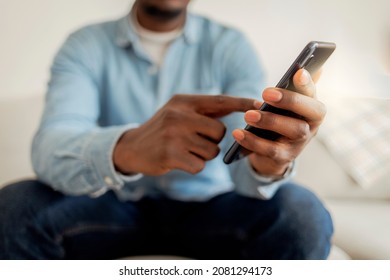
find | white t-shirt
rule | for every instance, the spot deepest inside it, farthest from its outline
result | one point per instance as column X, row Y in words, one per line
column 155, row 44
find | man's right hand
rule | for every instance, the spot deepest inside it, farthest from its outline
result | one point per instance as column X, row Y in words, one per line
column 183, row 134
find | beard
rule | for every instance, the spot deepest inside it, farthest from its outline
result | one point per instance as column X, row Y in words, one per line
column 162, row 14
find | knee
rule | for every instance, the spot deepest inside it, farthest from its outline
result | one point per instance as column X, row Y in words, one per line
column 305, row 223
column 20, row 200
column 19, row 205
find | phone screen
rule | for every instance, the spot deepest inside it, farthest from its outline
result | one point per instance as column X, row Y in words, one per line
column 312, row 57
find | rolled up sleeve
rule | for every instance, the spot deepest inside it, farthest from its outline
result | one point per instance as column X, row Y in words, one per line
column 70, row 151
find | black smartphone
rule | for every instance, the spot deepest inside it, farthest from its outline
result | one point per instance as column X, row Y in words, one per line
column 312, row 57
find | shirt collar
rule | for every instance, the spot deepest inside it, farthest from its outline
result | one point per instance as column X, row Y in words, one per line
column 126, row 34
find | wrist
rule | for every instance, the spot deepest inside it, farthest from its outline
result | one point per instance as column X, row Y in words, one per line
column 123, row 154
column 267, row 168
column 290, row 171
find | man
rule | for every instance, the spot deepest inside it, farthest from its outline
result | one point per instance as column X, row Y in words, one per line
column 131, row 144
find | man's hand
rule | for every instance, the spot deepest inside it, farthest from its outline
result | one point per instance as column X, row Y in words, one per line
column 183, row 134
column 273, row 157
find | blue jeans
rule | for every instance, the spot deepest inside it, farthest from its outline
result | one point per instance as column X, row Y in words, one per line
column 37, row 222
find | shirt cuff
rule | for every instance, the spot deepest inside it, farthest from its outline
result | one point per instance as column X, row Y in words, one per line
column 249, row 183
column 129, row 178
column 99, row 153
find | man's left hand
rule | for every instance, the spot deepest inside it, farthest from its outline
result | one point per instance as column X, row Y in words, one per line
column 272, row 158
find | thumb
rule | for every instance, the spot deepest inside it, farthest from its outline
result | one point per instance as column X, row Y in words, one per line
column 304, row 83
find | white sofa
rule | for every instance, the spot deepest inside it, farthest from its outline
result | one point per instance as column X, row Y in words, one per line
column 361, row 217
column 359, row 130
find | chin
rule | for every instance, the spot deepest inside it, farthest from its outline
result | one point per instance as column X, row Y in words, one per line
column 163, row 10
column 166, row 4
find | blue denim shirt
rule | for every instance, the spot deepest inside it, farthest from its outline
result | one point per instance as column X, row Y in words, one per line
column 103, row 83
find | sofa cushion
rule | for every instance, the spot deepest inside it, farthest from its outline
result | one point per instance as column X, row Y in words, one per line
column 356, row 132
column 362, row 227
column 323, row 174
column 350, row 157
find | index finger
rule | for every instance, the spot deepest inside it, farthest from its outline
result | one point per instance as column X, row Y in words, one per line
column 222, row 105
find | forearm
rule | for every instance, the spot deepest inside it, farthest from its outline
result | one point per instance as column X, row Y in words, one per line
column 76, row 161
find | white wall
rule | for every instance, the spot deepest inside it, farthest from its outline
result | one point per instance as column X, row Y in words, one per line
column 32, row 31
column 280, row 28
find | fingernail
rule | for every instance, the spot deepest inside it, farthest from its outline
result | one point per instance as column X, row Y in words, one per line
column 238, row 134
column 252, row 116
column 257, row 104
column 272, row 95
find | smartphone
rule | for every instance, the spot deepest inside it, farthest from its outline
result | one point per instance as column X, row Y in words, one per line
column 312, row 57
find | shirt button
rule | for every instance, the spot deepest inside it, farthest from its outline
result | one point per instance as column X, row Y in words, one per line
column 108, row 181
column 153, row 70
